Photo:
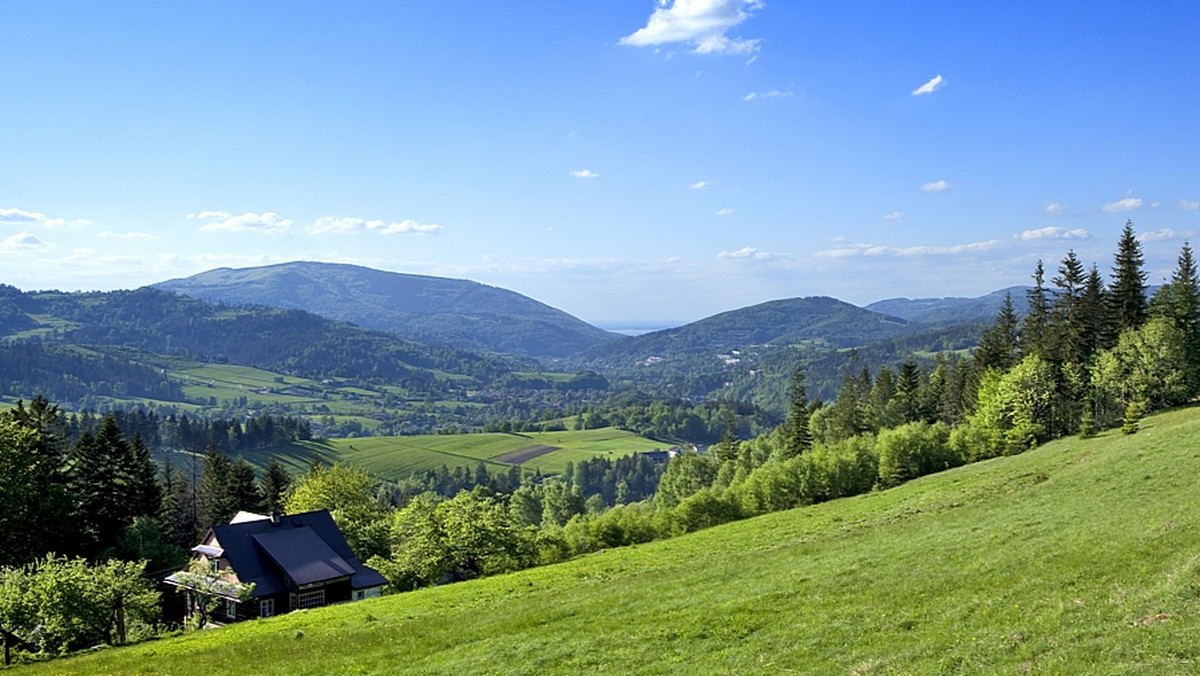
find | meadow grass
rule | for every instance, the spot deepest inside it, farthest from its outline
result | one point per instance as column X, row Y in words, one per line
column 1080, row 557
column 398, row 457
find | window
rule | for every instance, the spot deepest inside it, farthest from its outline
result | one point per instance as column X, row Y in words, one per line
column 266, row 607
column 231, row 609
column 359, row 595
column 214, row 565
column 311, row 599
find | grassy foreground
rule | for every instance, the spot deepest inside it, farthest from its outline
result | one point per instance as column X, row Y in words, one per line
column 1081, row 557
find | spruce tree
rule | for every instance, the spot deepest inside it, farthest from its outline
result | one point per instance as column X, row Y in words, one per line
column 1035, row 328
column 274, row 485
column 999, row 345
column 1128, row 288
column 798, row 438
column 1093, row 310
column 1066, row 319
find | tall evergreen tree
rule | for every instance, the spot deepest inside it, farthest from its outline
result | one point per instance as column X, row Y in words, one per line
column 999, row 345
column 1128, row 289
column 105, row 484
column 274, row 485
column 1066, row 318
column 217, row 503
column 799, row 437
column 1035, row 329
column 1093, row 313
column 42, row 516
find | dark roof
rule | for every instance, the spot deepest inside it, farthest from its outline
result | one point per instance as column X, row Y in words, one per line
column 300, row 548
column 302, row 555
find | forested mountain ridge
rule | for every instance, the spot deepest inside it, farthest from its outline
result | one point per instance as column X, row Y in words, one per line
column 816, row 320
column 453, row 312
column 951, row 309
column 164, row 323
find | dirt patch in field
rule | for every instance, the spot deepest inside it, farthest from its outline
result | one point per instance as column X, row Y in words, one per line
column 525, row 454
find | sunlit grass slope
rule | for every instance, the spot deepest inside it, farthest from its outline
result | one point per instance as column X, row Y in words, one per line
column 1081, row 557
column 398, row 457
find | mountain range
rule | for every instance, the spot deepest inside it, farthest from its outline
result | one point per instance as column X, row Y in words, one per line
column 455, row 313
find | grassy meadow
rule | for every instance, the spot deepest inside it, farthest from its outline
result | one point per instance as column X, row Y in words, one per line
column 398, row 457
column 1080, row 557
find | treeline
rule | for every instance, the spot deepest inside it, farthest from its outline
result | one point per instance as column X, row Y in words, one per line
column 70, row 374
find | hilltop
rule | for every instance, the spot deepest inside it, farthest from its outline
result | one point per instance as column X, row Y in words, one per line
column 454, row 312
column 1076, row 557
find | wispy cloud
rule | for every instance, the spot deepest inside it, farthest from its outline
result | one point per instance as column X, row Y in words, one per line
column 22, row 241
column 893, row 216
column 724, row 212
column 930, row 87
column 936, row 186
column 584, row 173
column 700, row 23
column 1054, row 232
column 844, row 250
column 772, row 94
column 700, row 185
column 1130, row 203
column 1165, row 235
column 268, row 223
column 24, row 217
column 1188, row 205
column 352, row 226
column 144, row 236
column 1055, row 209
column 752, row 253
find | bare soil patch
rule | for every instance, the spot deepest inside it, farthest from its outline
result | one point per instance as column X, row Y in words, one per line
column 525, row 454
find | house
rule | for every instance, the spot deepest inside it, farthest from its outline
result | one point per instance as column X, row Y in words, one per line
column 294, row 561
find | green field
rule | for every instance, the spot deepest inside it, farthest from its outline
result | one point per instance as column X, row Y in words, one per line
column 1081, row 557
column 398, row 457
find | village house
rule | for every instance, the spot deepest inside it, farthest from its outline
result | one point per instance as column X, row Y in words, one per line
column 288, row 562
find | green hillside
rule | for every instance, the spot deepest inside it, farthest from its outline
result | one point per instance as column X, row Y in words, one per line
column 1081, row 557
column 397, row 457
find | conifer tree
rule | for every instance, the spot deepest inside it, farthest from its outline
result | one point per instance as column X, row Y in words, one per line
column 999, row 345
column 1128, row 289
column 274, row 485
column 106, row 485
column 1066, row 318
column 1035, row 328
column 1093, row 310
column 799, row 437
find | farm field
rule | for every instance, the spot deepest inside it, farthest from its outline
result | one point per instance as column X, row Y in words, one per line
column 1080, row 557
column 398, row 457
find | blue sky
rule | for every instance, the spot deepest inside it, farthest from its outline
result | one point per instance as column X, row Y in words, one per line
column 621, row 160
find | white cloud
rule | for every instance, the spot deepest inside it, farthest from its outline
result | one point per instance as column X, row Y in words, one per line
column 893, row 216
column 1189, row 205
column 269, row 223
column 936, row 186
column 844, row 250
column 724, row 212
column 1054, row 232
column 584, row 173
column 351, row 226
column 930, row 87
column 1130, row 203
column 772, row 94
column 1164, row 234
column 700, row 185
column 22, row 241
column 15, row 215
column 699, row 23
column 751, row 253
column 108, row 234
column 1055, row 209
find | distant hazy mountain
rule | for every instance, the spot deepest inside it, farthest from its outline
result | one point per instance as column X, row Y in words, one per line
column 453, row 312
column 952, row 310
column 825, row 321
